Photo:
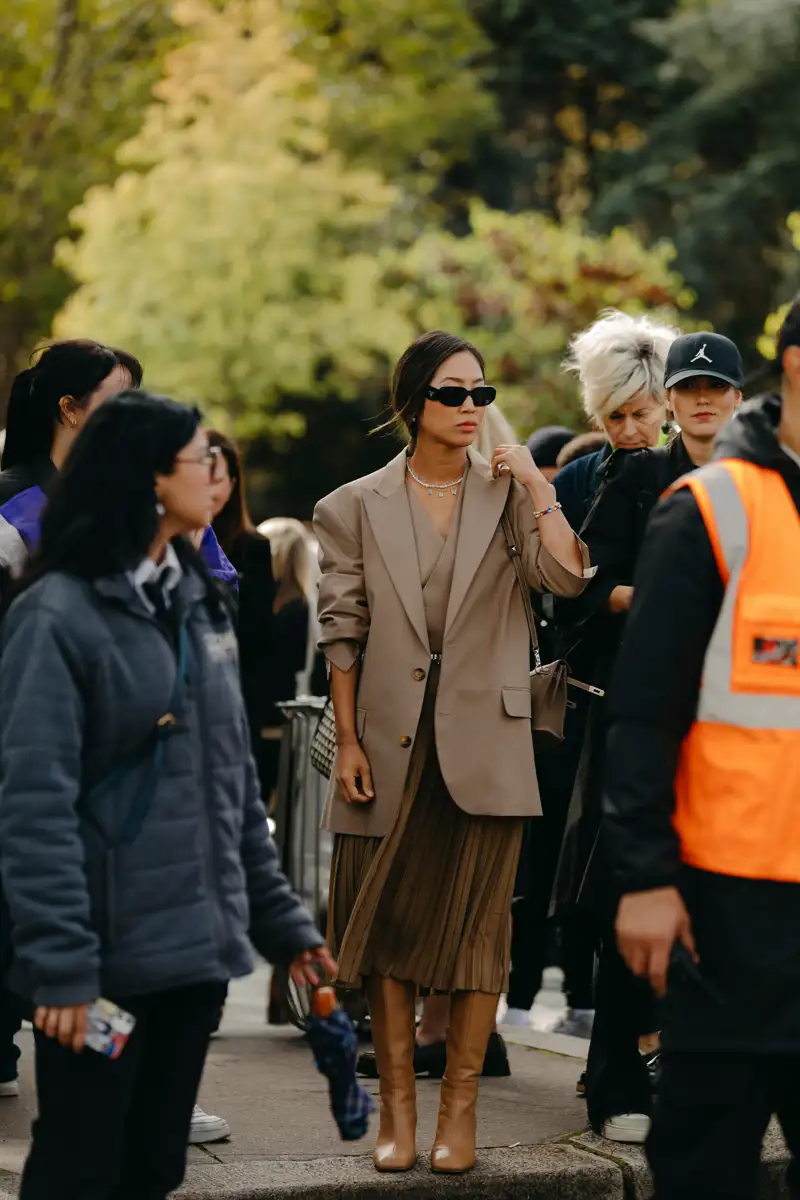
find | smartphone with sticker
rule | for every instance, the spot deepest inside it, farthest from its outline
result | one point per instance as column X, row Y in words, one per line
column 108, row 1028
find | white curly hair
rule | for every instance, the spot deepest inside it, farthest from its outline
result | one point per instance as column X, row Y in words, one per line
column 617, row 358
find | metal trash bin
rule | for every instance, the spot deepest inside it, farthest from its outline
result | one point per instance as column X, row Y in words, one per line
column 306, row 850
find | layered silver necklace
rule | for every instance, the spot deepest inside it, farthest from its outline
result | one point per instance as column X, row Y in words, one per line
column 440, row 488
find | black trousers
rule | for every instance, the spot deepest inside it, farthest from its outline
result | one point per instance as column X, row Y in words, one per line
column 617, row 1079
column 12, row 1009
column 119, row 1130
column 710, row 1118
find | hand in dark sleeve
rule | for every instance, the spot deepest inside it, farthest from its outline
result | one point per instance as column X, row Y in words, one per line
column 610, row 532
column 653, row 697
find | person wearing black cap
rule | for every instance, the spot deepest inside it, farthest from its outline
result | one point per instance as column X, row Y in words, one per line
column 702, row 378
column 545, row 446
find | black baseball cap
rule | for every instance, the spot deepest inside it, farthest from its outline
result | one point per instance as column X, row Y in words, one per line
column 708, row 354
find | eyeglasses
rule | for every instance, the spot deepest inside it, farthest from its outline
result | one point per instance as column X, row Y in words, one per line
column 211, row 459
column 454, row 397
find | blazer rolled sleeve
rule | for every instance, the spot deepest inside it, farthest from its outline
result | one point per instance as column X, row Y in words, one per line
column 56, row 947
column 343, row 609
column 543, row 572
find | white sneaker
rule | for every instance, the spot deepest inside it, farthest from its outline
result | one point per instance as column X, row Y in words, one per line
column 632, row 1128
column 207, row 1128
column 9, row 1088
column 518, row 1018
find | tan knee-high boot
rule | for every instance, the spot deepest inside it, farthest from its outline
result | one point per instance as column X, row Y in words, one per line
column 472, row 1017
column 392, row 1011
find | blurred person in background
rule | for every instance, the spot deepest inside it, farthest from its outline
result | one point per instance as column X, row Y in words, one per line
column 417, row 587
column 581, row 445
column 546, row 444
column 701, row 798
column 47, row 408
column 620, row 362
column 249, row 552
column 49, row 404
column 292, row 605
column 129, row 875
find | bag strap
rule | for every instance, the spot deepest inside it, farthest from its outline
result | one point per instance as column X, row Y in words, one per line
column 513, row 554
column 153, row 751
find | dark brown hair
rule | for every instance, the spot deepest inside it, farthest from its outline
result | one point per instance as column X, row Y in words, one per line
column 234, row 519
column 584, row 443
column 415, row 370
column 75, row 368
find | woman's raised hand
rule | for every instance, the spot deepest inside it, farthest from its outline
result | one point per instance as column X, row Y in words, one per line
column 517, row 460
column 353, row 774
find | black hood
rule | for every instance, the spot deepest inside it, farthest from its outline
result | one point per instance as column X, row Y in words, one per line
column 753, row 434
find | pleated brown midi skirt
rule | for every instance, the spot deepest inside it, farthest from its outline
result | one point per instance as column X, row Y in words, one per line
column 431, row 902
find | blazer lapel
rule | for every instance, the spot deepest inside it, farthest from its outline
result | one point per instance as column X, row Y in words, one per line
column 484, row 501
column 390, row 517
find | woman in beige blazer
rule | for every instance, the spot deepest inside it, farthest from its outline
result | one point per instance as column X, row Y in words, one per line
column 424, row 629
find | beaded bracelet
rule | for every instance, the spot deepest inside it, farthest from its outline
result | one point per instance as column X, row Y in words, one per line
column 544, row 512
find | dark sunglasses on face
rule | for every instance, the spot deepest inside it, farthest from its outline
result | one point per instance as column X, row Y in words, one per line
column 454, row 397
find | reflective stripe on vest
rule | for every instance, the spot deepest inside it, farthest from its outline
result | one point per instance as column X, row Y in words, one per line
column 738, row 778
column 718, row 490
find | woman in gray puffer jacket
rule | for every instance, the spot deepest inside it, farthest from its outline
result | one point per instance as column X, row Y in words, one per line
column 135, row 855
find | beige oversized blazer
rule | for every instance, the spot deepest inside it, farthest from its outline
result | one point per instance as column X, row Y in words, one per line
column 371, row 597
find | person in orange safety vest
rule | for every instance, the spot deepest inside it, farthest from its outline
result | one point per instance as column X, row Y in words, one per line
column 702, row 798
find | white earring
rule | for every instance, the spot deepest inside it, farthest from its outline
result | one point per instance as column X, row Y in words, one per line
column 160, row 510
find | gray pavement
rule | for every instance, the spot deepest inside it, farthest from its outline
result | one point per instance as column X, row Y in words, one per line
column 284, row 1144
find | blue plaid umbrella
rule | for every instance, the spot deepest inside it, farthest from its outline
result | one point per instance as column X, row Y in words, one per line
column 333, row 1040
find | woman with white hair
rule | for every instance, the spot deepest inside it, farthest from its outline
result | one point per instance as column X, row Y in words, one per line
column 632, row 373
column 619, row 362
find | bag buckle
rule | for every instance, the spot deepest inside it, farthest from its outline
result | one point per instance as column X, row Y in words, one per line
column 586, row 687
column 436, row 658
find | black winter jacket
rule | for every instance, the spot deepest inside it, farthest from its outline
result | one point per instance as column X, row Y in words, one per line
column 747, row 993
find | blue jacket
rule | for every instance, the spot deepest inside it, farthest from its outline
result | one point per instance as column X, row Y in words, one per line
column 576, row 485
column 85, row 675
column 20, row 523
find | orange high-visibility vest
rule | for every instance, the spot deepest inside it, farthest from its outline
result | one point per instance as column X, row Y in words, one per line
column 737, row 788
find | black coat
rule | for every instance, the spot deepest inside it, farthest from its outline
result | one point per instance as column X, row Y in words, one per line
column 745, row 995
column 250, row 555
column 614, row 531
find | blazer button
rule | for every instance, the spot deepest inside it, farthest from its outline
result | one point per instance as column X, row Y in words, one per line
column 405, row 741
column 419, row 674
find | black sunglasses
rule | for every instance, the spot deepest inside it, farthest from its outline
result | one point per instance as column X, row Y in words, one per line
column 454, row 397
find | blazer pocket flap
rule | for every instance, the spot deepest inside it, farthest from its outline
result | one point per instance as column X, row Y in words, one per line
column 361, row 721
column 517, row 702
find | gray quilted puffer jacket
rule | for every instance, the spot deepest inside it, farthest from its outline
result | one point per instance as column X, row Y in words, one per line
column 85, row 675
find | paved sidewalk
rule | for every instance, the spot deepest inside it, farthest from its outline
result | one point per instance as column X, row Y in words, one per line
column 285, row 1146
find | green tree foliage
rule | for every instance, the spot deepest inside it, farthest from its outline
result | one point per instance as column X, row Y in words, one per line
column 74, row 78
column 521, row 287
column 243, row 247
column 574, row 80
column 403, row 79
column 719, row 171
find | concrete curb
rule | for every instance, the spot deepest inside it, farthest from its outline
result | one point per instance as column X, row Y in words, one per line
column 551, row 1172
column 579, row 1167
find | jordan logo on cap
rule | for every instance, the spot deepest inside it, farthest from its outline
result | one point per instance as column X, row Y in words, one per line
column 701, row 354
